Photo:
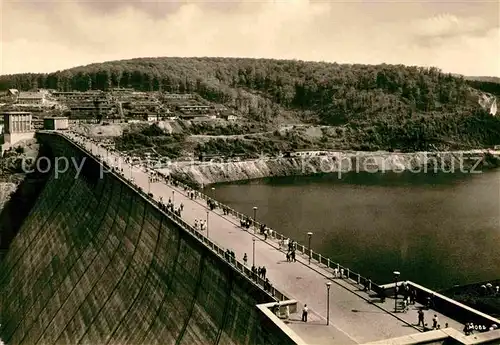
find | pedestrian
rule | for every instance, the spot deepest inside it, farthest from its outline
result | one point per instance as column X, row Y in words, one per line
column 293, row 256
column 305, row 310
column 413, row 296
column 245, row 259
column 265, row 234
column 263, row 271
column 405, row 304
column 435, row 322
column 335, row 272
column 182, row 206
column 287, row 256
column 421, row 318
column 195, row 223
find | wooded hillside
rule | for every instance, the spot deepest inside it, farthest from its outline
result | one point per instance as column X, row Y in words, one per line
column 387, row 105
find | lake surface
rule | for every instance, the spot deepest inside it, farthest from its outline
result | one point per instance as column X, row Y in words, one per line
column 438, row 230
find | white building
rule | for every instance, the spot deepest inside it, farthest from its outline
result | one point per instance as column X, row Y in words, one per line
column 55, row 123
column 17, row 127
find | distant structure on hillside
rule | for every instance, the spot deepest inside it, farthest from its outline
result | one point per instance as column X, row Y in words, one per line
column 178, row 96
column 55, row 123
column 31, row 98
column 17, row 127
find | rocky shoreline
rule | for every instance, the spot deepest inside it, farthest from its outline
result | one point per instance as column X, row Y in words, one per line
column 338, row 163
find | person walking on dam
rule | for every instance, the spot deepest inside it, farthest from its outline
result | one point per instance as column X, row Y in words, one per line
column 245, row 259
column 305, row 310
column 421, row 318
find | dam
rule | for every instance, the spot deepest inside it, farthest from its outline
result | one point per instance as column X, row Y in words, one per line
column 98, row 262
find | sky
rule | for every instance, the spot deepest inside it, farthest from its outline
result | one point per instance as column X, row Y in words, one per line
column 457, row 36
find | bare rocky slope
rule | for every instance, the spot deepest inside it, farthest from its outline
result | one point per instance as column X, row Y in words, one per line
column 335, row 162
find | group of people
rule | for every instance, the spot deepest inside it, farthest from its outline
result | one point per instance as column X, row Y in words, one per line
column 259, row 271
column 264, row 230
column 410, row 296
column 212, row 205
column 245, row 223
column 193, row 194
column 230, row 256
column 200, row 225
column 169, row 206
column 291, row 247
column 489, row 289
column 435, row 321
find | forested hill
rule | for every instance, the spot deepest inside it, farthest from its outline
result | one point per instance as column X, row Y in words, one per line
column 413, row 104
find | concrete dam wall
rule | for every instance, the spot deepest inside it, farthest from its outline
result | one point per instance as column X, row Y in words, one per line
column 96, row 263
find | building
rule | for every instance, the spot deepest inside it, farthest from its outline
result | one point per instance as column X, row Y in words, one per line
column 12, row 93
column 230, row 117
column 178, row 96
column 55, row 123
column 122, row 89
column 36, row 124
column 194, row 116
column 17, row 126
column 194, row 108
column 31, row 98
column 77, row 96
column 90, row 108
column 151, row 117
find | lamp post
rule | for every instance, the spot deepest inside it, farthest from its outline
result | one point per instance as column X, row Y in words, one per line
column 396, row 276
column 213, row 193
column 253, row 252
column 207, row 222
column 309, row 234
column 149, row 183
column 255, row 218
column 328, row 285
column 173, row 196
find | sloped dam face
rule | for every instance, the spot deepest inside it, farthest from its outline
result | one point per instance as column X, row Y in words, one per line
column 95, row 263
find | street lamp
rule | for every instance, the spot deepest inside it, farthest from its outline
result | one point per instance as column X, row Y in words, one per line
column 396, row 276
column 255, row 218
column 328, row 285
column 309, row 234
column 213, row 193
column 173, row 195
column 207, row 222
column 253, row 252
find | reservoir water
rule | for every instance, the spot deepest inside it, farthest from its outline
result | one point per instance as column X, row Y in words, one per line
column 438, row 230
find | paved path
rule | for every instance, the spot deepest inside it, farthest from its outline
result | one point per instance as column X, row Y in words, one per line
column 355, row 317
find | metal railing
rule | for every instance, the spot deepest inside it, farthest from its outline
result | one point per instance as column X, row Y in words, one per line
column 316, row 258
column 215, row 248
